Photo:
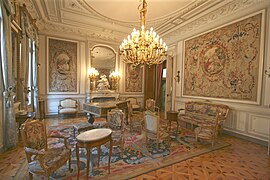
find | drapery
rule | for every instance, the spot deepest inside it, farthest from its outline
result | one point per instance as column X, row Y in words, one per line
column 29, row 57
column 24, row 64
column 10, row 137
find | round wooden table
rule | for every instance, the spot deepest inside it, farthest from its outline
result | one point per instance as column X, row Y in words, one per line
column 90, row 139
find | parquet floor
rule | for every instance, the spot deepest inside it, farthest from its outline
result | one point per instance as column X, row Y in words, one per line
column 242, row 160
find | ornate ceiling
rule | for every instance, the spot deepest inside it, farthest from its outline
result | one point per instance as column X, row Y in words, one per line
column 113, row 20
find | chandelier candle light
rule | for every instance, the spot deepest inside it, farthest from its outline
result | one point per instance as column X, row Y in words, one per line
column 93, row 73
column 143, row 47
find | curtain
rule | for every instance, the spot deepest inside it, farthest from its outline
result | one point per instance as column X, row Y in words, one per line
column 35, row 80
column 10, row 136
column 29, row 63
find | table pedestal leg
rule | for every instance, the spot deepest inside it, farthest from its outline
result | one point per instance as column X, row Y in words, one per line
column 78, row 160
column 110, row 154
column 88, row 161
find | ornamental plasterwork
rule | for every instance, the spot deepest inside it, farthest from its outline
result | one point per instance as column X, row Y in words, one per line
column 101, row 34
column 30, row 8
column 151, row 23
column 214, row 16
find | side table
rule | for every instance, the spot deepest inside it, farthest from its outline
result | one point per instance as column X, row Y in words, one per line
column 90, row 139
column 172, row 116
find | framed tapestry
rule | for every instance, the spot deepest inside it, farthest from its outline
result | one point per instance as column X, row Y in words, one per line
column 62, row 66
column 133, row 80
column 226, row 63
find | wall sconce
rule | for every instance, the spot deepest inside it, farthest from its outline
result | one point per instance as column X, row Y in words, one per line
column 115, row 77
column 92, row 74
column 177, row 77
column 266, row 73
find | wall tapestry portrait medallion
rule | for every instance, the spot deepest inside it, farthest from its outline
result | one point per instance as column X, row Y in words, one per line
column 133, row 78
column 62, row 66
column 225, row 63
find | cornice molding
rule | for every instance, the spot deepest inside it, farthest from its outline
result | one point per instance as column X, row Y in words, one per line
column 181, row 31
column 97, row 35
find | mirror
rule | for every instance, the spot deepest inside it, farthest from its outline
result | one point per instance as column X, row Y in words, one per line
column 103, row 59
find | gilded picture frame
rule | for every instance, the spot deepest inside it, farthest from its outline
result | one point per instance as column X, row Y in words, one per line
column 226, row 63
column 62, row 66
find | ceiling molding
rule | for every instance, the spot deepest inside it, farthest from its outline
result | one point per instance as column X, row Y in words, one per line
column 97, row 34
column 181, row 32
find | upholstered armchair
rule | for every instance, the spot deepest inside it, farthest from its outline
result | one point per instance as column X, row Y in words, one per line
column 116, row 123
column 134, row 103
column 67, row 106
column 43, row 160
column 135, row 119
column 123, row 105
column 152, row 126
column 208, row 130
column 150, row 104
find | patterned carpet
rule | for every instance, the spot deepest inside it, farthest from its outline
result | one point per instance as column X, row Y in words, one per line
column 241, row 160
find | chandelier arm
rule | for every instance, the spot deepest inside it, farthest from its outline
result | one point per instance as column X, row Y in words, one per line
column 143, row 47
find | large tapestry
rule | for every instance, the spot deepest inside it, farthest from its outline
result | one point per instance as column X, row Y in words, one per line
column 225, row 63
column 134, row 76
column 62, row 63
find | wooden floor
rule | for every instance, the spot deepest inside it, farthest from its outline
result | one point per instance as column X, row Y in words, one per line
column 241, row 160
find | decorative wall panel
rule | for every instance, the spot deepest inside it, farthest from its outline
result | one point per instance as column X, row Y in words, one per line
column 226, row 63
column 62, row 66
column 134, row 76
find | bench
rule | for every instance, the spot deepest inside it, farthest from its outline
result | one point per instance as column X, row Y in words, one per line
column 203, row 112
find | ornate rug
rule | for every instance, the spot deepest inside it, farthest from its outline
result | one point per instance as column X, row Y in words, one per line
column 138, row 157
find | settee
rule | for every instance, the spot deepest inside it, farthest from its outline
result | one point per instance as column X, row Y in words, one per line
column 203, row 112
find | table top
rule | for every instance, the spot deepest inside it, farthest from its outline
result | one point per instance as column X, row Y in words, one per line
column 94, row 135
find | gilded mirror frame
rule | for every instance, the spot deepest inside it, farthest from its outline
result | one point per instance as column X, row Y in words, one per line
column 104, row 59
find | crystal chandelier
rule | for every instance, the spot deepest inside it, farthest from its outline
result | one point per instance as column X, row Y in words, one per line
column 143, row 47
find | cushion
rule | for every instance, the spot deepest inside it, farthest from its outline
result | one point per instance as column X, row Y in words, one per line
column 135, row 106
column 53, row 158
column 68, row 111
column 68, row 103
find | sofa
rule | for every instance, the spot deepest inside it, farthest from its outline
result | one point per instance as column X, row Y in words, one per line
column 197, row 113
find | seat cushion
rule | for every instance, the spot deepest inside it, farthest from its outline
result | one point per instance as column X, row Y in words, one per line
column 53, row 158
column 135, row 106
column 68, row 111
column 68, row 103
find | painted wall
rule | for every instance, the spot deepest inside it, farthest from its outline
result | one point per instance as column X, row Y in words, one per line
column 251, row 120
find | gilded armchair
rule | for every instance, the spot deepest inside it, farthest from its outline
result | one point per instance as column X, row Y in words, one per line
column 152, row 126
column 134, row 103
column 135, row 119
column 116, row 123
column 67, row 106
column 42, row 159
column 208, row 130
column 150, row 104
